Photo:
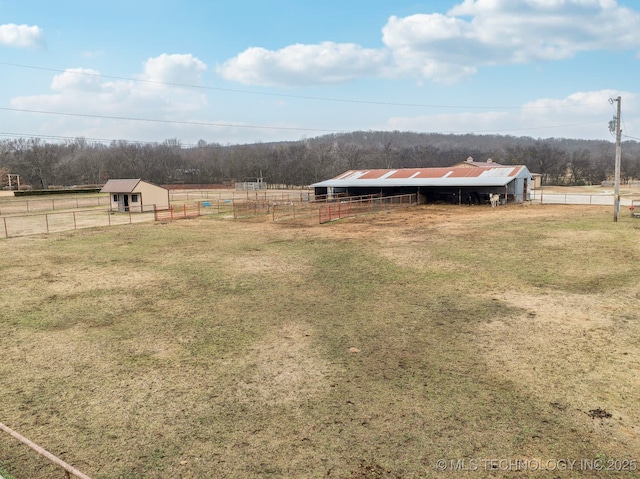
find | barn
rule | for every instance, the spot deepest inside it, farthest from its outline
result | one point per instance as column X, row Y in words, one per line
column 454, row 185
column 136, row 195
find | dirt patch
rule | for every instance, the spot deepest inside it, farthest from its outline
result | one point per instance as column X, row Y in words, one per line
column 282, row 369
column 573, row 351
column 263, row 262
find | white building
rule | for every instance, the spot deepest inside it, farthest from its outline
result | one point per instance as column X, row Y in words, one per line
column 136, row 195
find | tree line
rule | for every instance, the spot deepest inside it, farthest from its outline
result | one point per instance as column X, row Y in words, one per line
column 43, row 164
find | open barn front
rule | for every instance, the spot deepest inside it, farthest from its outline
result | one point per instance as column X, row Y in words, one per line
column 433, row 185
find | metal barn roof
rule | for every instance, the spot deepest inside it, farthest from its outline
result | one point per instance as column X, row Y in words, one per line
column 120, row 186
column 450, row 176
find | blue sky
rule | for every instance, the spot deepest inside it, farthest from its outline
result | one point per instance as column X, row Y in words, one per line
column 259, row 71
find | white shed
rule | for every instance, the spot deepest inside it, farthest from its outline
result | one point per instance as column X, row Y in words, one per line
column 136, row 195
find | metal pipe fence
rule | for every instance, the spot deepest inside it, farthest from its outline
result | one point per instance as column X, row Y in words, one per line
column 19, row 206
column 251, row 208
column 24, row 225
column 178, row 212
column 292, row 210
column 353, row 207
column 233, row 196
column 542, row 197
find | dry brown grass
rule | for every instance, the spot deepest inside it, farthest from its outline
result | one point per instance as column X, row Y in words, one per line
column 370, row 347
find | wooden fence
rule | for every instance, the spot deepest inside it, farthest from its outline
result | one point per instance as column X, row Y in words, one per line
column 68, row 469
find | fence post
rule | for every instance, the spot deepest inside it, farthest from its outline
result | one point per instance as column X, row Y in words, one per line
column 46, row 220
column 184, row 210
column 6, row 232
column 129, row 215
column 75, row 225
column 109, row 217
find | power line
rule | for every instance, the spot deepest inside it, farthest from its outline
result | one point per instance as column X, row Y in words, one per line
column 179, row 122
column 88, row 139
column 285, row 95
column 631, row 137
column 110, row 140
column 262, row 127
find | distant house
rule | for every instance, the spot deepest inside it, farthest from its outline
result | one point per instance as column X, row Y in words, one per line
column 450, row 184
column 136, row 195
column 471, row 163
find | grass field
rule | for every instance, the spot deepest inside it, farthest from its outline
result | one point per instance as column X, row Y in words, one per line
column 369, row 347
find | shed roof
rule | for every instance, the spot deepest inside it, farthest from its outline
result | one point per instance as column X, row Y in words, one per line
column 120, row 186
column 449, row 176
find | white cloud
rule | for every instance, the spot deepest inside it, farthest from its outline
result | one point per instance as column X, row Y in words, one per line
column 579, row 115
column 84, row 92
column 21, row 36
column 176, row 68
column 74, row 79
column 298, row 64
column 451, row 47
column 491, row 32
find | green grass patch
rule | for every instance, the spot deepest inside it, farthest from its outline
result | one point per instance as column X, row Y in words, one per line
column 216, row 348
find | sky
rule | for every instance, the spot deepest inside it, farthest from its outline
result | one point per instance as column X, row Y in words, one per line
column 237, row 72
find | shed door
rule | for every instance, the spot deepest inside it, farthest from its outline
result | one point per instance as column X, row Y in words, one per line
column 126, row 202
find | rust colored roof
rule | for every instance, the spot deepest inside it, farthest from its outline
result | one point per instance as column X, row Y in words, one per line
column 497, row 175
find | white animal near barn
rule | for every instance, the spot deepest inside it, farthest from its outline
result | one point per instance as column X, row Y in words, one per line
column 495, row 199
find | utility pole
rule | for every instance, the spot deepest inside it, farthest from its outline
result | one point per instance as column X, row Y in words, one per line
column 616, row 184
